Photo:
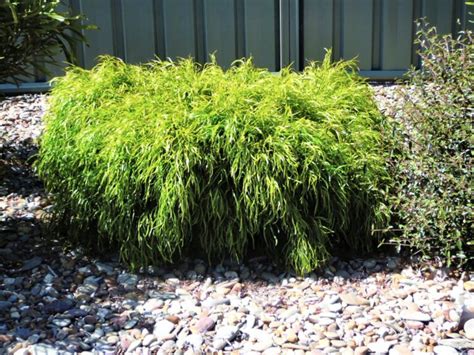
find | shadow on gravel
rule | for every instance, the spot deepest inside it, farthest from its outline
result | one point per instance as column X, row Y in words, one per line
column 16, row 174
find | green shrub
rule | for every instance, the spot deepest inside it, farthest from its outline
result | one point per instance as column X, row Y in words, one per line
column 169, row 157
column 32, row 33
column 432, row 160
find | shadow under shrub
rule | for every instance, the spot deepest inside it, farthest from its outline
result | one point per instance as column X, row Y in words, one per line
column 170, row 158
column 432, row 152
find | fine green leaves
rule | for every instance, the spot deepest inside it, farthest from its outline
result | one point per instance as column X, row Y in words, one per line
column 172, row 158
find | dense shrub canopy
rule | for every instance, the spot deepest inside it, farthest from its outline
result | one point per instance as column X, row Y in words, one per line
column 168, row 157
column 432, row 155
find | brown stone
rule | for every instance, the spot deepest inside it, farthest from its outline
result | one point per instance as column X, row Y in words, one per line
column 351, row 324
column 222, row 291
column 324, row 343
column 331, row 335
column 338, row 343
column 352, row 299
column 236, row 289
column 5, row 338
column 412, row 307
column 90, row 319
column 204, row 324
column 400, row 350
column 291, row 336
column 469, row 286
column 361, row 350
column 352, row 344
column 173, row 319
column 412, row 324
column 110, row 282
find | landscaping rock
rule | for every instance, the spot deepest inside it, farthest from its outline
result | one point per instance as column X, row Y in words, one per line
column 415, row 316
column 31, row 263
column 379, row 347
column 204, row 324
column 469, row 329
column 352, row 299
column 64, row 301
column 58, row 306
column 163, row 328
column 445, row 350
column 263, row 340
column 459, row 344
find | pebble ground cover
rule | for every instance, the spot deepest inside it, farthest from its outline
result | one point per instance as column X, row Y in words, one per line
column 54, row 301
column 167, row 158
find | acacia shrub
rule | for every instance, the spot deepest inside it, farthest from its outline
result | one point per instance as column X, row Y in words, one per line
column 165, row 158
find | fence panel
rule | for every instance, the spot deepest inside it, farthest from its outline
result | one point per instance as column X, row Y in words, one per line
column 179, row 28
column 138, row 30
column 440, row 14
column 262, row 34
column 396, row 34
column 220, row 30
column 290, row 25
column 276, row 33
column 101, row 41
column 357, row 21
column 318, row 28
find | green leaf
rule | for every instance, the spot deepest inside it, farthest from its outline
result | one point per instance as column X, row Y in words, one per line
column 56, row 17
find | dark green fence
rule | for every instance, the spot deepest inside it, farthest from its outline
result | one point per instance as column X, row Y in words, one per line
column 275, row 32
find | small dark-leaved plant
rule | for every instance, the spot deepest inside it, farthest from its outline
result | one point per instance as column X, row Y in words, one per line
column 432, row 156
column 33, row 33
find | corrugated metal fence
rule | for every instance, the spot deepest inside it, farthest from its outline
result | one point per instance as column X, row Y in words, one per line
column 275, row 32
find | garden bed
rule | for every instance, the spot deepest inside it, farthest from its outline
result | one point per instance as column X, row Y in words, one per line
column 54, row 300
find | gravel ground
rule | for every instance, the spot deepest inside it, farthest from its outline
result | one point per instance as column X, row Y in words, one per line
column 54, row 301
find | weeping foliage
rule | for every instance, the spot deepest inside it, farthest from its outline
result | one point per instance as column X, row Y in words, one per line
column 171, row 158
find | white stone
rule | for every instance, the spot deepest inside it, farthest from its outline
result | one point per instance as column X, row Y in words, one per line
column 444, row 350
column 325, row 321
column 152, row 304
column 379, row 347
column 416, row 316
column 43, row 349
column 263, row 340
column 195, row 340
column 331, row 315
column 163, row 328
column 226, row 332
column 134, row 344
column 148, row 339
column 469, row 329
